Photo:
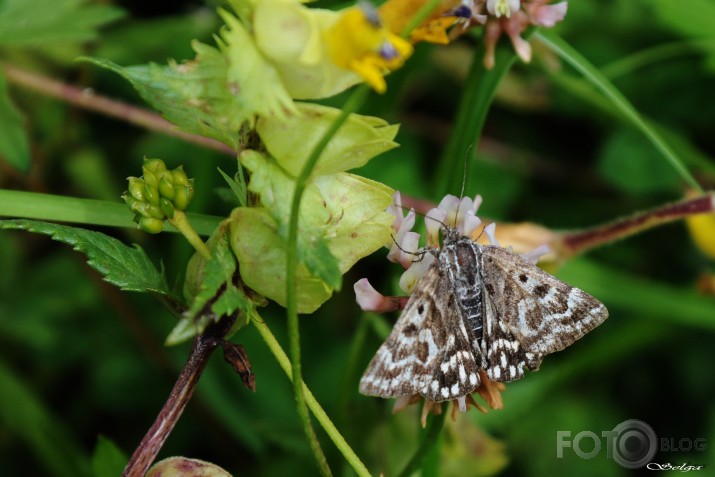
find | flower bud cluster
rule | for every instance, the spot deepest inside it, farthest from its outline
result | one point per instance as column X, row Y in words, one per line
column 158, row 194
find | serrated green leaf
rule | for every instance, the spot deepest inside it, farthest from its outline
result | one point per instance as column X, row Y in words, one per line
column 14, row 147
column 237, row 184
column 34, row 22
column 126, row 267
column 291, row 140
column 211, row 290
column 108, row 460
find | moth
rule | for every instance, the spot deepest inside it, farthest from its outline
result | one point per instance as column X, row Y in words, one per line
column 477, row 307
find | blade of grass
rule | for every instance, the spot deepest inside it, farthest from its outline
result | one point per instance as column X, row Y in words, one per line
column 577, row 61
column 58, row 208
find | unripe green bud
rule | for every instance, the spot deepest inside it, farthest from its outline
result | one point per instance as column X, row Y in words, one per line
column 179, row 177
column 150, row 178
column 154, row 211
column 151, row 195
column 167, row 207
column 151, row 225
column 183, row 196
column 153, row 165
column 136, row 187
column 166, row 189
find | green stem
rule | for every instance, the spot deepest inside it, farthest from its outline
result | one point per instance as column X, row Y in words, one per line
column 591, row 73
column 431, row 435
column 183, row 225
column 351, row 105
column 312, row 403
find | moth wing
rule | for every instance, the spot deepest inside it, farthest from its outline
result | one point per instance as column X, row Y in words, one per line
column 543, row 313
column 428, row 351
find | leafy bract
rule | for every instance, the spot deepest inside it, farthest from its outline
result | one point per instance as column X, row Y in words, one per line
column 126, row 267
column 215, row 94
column 13, row 141
column 357, row 141
column 33, row 22
column 211, row 289
column 340, row 213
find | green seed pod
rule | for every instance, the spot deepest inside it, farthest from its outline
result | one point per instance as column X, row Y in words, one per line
column 179, row 176
column 151, row 225
column 139, row 208
column 154, row 211
column 183, row 196
column 153, row 165
column 151, row 195
column 150, row 179
column 167, row 207
column 136, row 187
column 166, row 189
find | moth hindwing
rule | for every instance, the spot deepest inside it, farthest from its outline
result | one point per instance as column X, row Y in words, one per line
column 477, row 307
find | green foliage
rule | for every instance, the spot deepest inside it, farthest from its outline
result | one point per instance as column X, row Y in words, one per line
column 33, row 22
column 210, row 289
column 108, row 460
column 13, row 142
column 125, row 267
column 691, row 18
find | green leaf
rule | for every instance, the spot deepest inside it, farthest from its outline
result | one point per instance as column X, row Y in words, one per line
column 342, row 219
column 591, row 73
column 125, row 267
column 237, row 184
column 31, row 205
column 108, row 459
column 215, row 94
column 14, row 147
column 23, row 415
column 626, row 162
column 34, row 22
column 692, row 19
column 210, row 288
column 291, row 140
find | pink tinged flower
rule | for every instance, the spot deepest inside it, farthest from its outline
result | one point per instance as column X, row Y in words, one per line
column 503, row 8
column 489, row 230
column 492, row 32
column 535, row 255
column 433, row 223
column 545, row 15
column 513, row 28
column 369, row 299
column 396, row 209
column 408, row 247
column 412, row 275
column 400, row 244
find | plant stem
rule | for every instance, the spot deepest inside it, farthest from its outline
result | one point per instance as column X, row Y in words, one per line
column 312, row 403
column 182, row 224
column 87, row 99
column 428, row 441
column 574, row 243
column 180, row 395
column 351, row 105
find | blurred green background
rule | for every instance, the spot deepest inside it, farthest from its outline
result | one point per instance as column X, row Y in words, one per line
column 80, row 359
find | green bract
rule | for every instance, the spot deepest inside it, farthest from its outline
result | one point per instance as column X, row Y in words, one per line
column 342, row 219
column 358, row 140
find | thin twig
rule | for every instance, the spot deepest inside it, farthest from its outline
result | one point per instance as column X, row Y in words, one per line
column 181, row 393
column 574, row 243
column 86, row 98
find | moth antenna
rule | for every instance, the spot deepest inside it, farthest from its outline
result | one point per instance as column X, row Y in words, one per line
column 464, row 183
column 421, row 253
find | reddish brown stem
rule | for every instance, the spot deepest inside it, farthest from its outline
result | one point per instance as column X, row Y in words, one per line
column 578, row 242
column 87, row 99
column 181, row 393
